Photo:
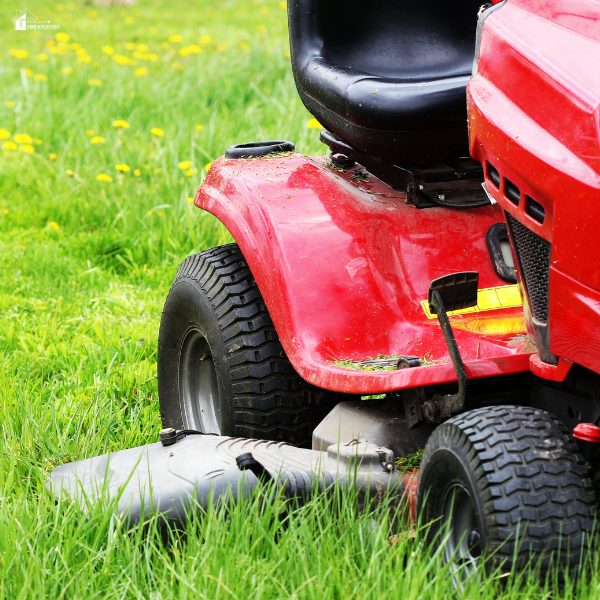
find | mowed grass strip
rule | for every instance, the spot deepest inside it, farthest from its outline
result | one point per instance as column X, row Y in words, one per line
column 107, row 126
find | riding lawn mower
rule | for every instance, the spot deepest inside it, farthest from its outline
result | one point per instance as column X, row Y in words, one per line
column 432, row 282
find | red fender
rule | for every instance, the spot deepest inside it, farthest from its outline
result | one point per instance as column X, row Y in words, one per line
column 343, row 266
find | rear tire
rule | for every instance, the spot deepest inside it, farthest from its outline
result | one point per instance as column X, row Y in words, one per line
column 509, row 484
column 221, row 366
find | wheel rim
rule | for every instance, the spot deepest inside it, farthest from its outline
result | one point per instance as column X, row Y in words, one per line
column 463, row 544
column 199, row 385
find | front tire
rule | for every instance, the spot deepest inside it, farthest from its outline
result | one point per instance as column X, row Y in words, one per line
column 221, row 366
column 504, row 485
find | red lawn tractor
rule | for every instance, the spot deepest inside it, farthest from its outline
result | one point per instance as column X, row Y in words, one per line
column 432, row 282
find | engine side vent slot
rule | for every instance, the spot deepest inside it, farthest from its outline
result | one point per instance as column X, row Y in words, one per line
column 493, row 175
column 533, row 253
column 534, row 209
column 511, row 191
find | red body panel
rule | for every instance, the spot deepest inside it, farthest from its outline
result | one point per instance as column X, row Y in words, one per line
column 533, row 114
column 344, row 265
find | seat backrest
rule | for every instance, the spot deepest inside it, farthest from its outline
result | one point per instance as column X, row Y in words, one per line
column 407, row 40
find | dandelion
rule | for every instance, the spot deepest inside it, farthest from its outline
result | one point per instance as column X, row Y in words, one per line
column 120, row 124
column 89, row 132
column 42, row 57
column 28, row 72
column 283, row 5
column 84, row 58
column 39, row 77
column 19, row 53
column 4, row 134
column 207, row 166
column 81, row 51
column 157, row 131
column 265, row 10
column 27, row 148
column 95, row 82
column 9, row 146
column 23, row 138
column 104, row 177
column 142, row 47
column 190, row 200
column 205, row 39
column 52, row 156
column 261, row 29
column 190, row 172
column 66, row 70
column 123, row 60
column 4, row 211
column 76, row 46
column 137, row 173
column 184, row 165
column 199, row 127
column 97, row 140
column 314, row 124
column 10, row 104
column 185, row 51
column 245, row 46
column 141, row 72
column 164, row 45
column 108, row 50
column 177, row 67
column 128, row 20
column 175, row 39
column 286, row 53
column 152, row 57
column 69, row 172
column 38, row 142
column 195, row 49
column 93, row 14
column 50, row 43
column 62, row 37
column 123, row 168
column 54, row 225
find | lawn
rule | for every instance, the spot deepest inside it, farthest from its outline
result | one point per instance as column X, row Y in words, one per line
column 107, row 126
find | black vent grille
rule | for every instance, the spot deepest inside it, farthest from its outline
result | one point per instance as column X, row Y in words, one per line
column 534, row 257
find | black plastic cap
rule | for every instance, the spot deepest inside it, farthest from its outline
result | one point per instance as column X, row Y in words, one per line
column 167, row 436
column 258, row 149
column 244, row 461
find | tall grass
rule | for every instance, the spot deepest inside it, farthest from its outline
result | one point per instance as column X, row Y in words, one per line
column 85, row 266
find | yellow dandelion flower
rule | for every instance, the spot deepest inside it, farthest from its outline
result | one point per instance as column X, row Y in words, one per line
column 84, row 58
column 205, row 39
column 28, row 72
column 95, row 82
column 39, row 77
column 52, row 156
column 261, row 28
column 184, row 165
column 152, row 56
column 142, row 47
column 38, row 142
column 75, row 46
column 104, row 177
column 10, row 104
column 190, row 200
column 9, row 146
column 132, row 94
column 286, row 53
column 50, row 43
column 23, row 138
column 190, row 172
column 138, row 54
column 195, row 49
column 66, row 70
column 93, row 14
column 175, row 39
column 245, row 46
column 283, row 5
column 108, row 50
column 97, row 140
column 42, row 57
column 314, row 124
column 199, row 127
column 54, row 225
column 4, row 134
column 207, row 166
column 128, row 20
column 157, row 131
column 81, row 51
column 265, row 10
column 177, row 67
column 27, row 148
column 69, row 172
column 141, row 72
column 164, row 45
column 121, row 124
column 123, row 168
column 137, row 173
column 185, row 51
column 5, row 211
column 19, row 53
column 89, row 132
column 62, row 37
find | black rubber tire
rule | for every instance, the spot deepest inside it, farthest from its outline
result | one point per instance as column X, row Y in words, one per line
column 530, row 489
column 260, row 395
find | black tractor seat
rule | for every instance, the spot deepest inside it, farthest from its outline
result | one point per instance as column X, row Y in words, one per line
column 388, row 78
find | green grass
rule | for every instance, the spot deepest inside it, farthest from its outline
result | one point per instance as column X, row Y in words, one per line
column 85, row 268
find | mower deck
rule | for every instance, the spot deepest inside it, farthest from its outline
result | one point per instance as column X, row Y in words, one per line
column 344, row 265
